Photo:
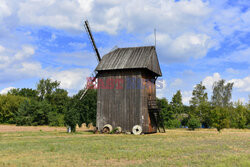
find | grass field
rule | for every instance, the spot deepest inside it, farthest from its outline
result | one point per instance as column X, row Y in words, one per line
column 174, row 148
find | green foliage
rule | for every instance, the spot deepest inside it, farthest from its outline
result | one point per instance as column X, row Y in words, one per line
column 166, row 111
column 24, row 92
column 59, row 100
column 32, row 112
column 50, row 105
column 238, row 116
column 176, row 103
column 45, row 88
column 9, row 105
column 174, row 123
column 205, row 109
column 86, row 107
column 199, row 95
column 193, row 123
column 220, row 118
column 222, row 93
column 200, row 107
column 71, row 118
column 47, row 105
column 56, row 119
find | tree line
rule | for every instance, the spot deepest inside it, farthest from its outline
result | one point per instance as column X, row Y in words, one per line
column 218, row 113
column 48, row 104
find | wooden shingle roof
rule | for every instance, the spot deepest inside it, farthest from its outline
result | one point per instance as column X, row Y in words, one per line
column 131, row 58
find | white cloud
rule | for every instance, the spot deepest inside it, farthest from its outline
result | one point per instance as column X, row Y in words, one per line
column 10, row 60
column 187, row 28
column 73, row 79
column 26, row 52
column 61, row 14
column 1, row 48
column 161, row 88
column 242, row 56
column 17, row 65
column 232, row 71
column 4, row 9
column 186, row 96
column 176, row 83
column 242, row 84
column 6, row 90
column 31, row 69
column 183, row 47
column 209, row 80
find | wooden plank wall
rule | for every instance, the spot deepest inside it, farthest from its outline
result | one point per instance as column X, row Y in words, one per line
column 124, row 107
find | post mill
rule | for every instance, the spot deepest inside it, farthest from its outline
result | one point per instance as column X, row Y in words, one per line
column 126, row 89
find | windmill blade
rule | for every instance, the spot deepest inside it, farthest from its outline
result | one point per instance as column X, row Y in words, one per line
column 91, row 38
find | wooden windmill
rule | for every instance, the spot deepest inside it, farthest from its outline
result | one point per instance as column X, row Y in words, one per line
column 126, row 91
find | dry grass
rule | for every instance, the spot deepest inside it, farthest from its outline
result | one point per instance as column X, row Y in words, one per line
column 174, row 148
column 14, row 128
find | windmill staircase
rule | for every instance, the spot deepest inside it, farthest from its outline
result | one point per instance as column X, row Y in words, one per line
column 155, row 112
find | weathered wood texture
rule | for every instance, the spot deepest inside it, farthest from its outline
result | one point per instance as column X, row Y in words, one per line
column 131, row 58
column 125, row 105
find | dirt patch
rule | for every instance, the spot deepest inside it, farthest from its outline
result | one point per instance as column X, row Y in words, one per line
column 14, row 128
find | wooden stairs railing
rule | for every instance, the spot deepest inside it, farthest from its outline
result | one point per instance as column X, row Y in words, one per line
column 153, row 107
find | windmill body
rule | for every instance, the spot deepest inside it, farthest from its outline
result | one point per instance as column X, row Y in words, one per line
column 126, row 95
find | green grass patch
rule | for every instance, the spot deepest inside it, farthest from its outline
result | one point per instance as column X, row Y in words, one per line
column 174, row 148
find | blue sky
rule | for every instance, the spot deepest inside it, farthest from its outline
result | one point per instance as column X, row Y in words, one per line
column 197, row 40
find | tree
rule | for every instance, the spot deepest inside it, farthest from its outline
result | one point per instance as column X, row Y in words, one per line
column 222, row 94
column 32, row 112
column 176, row 103
column 199, row 95
column 238, row 116
column 59, row 99
column 71, row 117
column 9, row 105
column 25, row 92
column 165, row 110
column 220, row 118
column 200, row 106
column 193, row 123
column 86, row 107
column 46, row 87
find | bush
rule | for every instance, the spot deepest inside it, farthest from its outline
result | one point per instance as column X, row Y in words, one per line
column 71, row 118
column 219, row 118
column 193, row 123
column 173, row 124
column 9, row 105
column 238, row 116
column 56, row 119
column 32, row 112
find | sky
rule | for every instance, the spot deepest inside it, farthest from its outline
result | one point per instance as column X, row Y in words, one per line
column 196, row 40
